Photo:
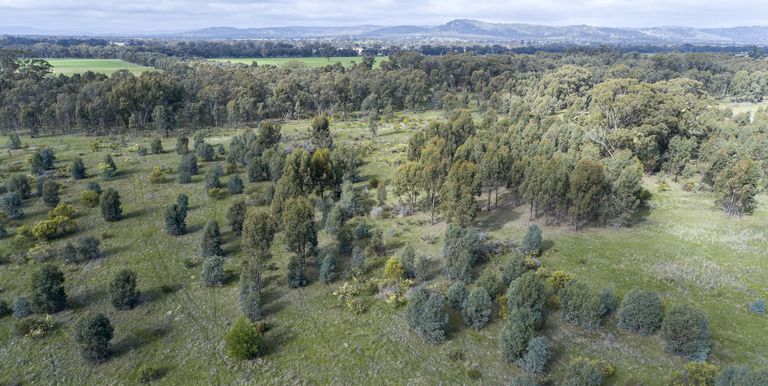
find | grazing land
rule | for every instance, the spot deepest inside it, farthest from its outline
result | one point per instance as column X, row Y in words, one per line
column 684, row 247
column 309, row 62
column 99, row 66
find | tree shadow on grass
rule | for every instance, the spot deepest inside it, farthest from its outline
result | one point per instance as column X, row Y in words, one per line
column 139, row 212
column 139, row 338
column 496, row 218
column 276, row 338
column 86, row 297
column 159, row 292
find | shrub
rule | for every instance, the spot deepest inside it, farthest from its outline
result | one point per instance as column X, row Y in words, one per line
column 408, row 260
column 210, row 245
column 175, row 220
column 182, row 145
column 93, row 334
column 327, row 269
column 93, row 186
column 583, row 372
column 393, row 270
column 156, row 176
column 477, row 309
column 11, row 205
column 14, row 141
column 141, row 150
column 527, row 291
column 361, row 230
column 107, row 168
column 757, row 306
column 607, row 302
column 211, row 177
column 188, row 164
column 110, row 205
column 524, row 380
column 156, row 147
column 182, row 200
column 514, row 268
column 21, row 307
column 685, row 332
column 335, row 220
column 559, row 279
column 149, row 373
column 5, row 310
column 62, row 210
column 78, row 169
column 516, row 334
column 183, row 177
column 50, row 193
column 536, row 356
column 580, row 306
column 425, row 315
column 243, row 340
column 236, row 216
column 122, row 290
column 457, row 295
column 640, row 312
column 89, row 198
column 741, row 376
column 205, row 152
column 213, row 271
column 88, row 248
column 69, row 253
column 47, row 288
column 235, row 184
column 695, row 374
column 20, row 184
column 51, row 229
column 531, row 244
column 460, row 249
column 34, row 327
column 256, row 170
column 250, row 295
column 490, row 282
column 376, row 244
column 296, row 272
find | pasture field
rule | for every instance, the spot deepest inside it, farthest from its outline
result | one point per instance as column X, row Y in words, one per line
column 102, row 66
column 309, row 62
column 684, row 247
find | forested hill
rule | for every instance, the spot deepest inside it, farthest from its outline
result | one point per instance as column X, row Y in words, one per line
column 473, row 30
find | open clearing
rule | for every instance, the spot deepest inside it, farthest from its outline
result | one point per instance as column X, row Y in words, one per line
column 309, row 62
column 685, row 248
column 101, row 66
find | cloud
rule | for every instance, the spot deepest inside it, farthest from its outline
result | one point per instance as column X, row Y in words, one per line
column 155, row 15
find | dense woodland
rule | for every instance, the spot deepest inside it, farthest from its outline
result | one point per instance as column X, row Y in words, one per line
column 570, row 135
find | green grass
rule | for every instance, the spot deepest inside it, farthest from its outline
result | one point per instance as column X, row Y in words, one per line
column 309, row 62
column 685, row 248
column 102, row 66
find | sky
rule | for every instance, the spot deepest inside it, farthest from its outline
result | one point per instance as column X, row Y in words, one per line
column 116, row 16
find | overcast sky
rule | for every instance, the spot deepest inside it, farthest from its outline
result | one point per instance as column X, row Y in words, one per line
column 104, row 16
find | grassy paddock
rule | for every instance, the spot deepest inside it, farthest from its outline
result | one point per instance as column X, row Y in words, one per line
column 102, row 66
column 685, row 248
column 309, row 62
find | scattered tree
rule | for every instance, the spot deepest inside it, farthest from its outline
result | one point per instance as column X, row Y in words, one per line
column 426, row 316
column 47, row 289
column 122, row 290
column 93, row 334
column 111, row 209
column 640, row 312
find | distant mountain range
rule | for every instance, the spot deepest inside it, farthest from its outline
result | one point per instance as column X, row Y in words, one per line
column 473, row 30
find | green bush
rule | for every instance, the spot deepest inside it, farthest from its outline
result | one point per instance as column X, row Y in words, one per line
column 93, row 334
column 78, row 169
column 250, row 295
column 111, row 209
column 426, row 316
column 685, row 332
column 14, row 141
column 236, row 216
column 157, row 176
column 11, row 205
column 531, row 244
column 47, row 287
column 524, row 380
column 210, row 245
column 243, row 340
column 55, row 228
column 640, row 312
column 213, row 271
column 182, row 145
column 205, row 152
column 235, row 184
column 20, row 184
column 122, row 290
column 536, row 356
column 741, row 376
column 5, row 309
column 33, row 327
column 183, row 177
column 107, row 168
column 695, row 374
column 457, row 295
column 211, row 177
column 580, row 306
column 460, row 250
column 297, row 272
column 89, row 198
column 327, row 269
column 156, row 146
column 477, row 309
column 514, row 268
column 527, row 291
column 21, row 307
column 175, row 220
column 516, row 334
column 583, row 372
column 188, row 165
